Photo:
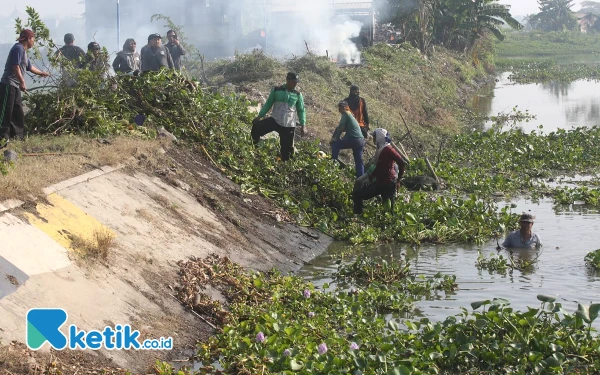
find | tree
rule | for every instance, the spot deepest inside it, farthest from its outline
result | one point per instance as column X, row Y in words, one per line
column 554, row 15
column 590, row 7
column 474, row 18
column 455, row 24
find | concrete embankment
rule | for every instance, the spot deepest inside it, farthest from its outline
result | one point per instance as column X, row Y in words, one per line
column 155, row 221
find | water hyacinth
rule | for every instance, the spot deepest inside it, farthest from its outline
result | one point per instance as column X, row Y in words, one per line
column 287, row 352
column 311, row 314
column 306, row 293
column 353, row 346
column 322, row 348
column 260, row 337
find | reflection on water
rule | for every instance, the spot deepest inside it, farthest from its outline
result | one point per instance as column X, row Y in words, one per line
column 567, row 236
column 555, row 104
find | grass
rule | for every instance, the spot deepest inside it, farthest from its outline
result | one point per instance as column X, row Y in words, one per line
column 551, row 44
column 45, row 160
column 98, row 247
column 394, row 80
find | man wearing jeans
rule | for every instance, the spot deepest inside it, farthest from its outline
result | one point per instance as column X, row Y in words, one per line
column 288, row 106
column 12, row 117
column 352, row 140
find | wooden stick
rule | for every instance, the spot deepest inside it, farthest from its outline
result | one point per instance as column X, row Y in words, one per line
column 211, row 159
column 410, row 134
column 195, row 313
column 55, row 153
column 403, row 154
column 431, row 170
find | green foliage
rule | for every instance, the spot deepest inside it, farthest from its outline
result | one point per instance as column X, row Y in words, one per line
column 251, row 67
column 293, row 327
column 517, row 162
column 528, row 71
column 554, row 15
column 455, row 24
column 495, row 263
column 42, row 33
column 548, row 44
column 592, row 259
column 367, row 270
column 582, row 195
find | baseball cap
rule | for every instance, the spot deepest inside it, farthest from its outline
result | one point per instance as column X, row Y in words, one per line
column 526, row 218
column 25, row 34
column 154, row 36
column 93, row 46
column 293, row 77
column 343, row 103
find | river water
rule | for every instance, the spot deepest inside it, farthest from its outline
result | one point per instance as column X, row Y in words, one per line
column 567, row 233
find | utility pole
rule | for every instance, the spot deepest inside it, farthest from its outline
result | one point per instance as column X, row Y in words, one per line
column 118, row 28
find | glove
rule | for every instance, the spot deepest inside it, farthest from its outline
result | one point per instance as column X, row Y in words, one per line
column 256, row 120
column 363, row 180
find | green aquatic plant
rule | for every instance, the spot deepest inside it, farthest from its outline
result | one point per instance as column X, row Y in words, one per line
column 511, row 161
column 495, row 263
column 289, row 326
column 592, row 259
column 536, row 44
column 582, row 195
column 531, row 71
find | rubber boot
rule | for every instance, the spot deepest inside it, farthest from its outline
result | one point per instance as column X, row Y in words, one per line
column 387, row 205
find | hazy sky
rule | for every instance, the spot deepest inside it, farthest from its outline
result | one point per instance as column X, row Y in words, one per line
column 49, row 8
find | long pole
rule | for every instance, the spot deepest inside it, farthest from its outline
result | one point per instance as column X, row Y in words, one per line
column 118, row 28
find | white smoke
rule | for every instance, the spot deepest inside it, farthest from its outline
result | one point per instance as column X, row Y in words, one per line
column 315, row 24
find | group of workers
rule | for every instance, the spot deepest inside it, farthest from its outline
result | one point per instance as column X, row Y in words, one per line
column 383, row 171
column 380, row 178
column 152, row 57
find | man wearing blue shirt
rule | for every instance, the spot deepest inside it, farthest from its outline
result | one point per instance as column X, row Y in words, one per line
column 523, row 238
column 12, row 117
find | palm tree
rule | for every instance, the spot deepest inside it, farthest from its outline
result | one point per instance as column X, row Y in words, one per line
column 469, row 20
column 554, row 15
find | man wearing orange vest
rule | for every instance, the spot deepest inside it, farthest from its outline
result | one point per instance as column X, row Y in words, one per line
column 358, row 106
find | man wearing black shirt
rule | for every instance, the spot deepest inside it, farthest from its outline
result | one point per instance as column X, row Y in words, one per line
column 71, row 52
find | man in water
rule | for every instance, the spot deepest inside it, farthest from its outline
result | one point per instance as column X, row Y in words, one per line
column 523, row 238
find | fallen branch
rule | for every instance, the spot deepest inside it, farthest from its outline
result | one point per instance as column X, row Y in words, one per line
column 211, row 159
column 55, row 153
column 195, row 313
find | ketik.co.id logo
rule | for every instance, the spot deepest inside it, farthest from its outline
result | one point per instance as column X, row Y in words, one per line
column 44, row 325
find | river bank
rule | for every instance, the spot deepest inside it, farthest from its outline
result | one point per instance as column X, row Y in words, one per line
column 163, row 207
column 169, row 202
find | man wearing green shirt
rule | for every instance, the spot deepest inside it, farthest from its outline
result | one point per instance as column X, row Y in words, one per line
column 288, row 108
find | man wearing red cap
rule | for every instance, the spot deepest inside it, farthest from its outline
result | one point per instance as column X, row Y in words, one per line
column 12, row 118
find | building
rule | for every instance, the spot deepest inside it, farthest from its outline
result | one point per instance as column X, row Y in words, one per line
column 586, row 21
